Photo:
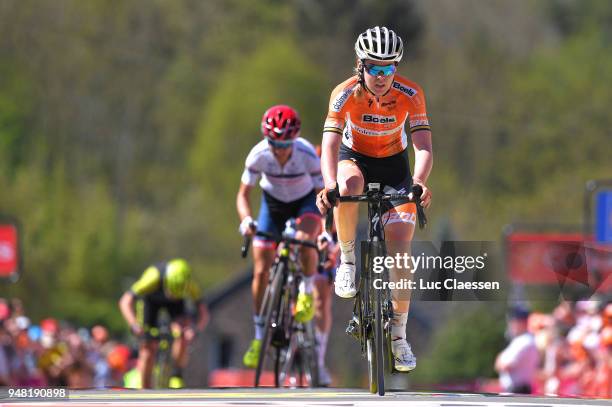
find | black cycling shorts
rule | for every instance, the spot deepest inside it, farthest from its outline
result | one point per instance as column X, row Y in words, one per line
column 393, row 173
column 273, row 213
column 149, row 313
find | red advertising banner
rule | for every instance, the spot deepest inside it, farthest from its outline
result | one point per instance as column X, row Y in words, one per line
column 559, row 258
column 9, row 251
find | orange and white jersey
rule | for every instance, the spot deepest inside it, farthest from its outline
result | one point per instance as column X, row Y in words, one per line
column 376, row 126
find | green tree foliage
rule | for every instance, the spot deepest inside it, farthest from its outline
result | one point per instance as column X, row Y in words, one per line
column 565, row 124
column 15, row 110
column 465, row 348
column 572, row 17
column 328, row 28
column 275, row 74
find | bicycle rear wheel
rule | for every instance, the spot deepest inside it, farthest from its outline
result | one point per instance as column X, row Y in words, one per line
column 372, row 376
column 303, row 368
column 311, row 361
column 379, row 343
column 288, row 360
column 306, row 363
column 272, row 305
column 387, row 307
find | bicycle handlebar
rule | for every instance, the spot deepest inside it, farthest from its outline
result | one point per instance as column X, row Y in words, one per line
column 278, row 239
column 376, row 197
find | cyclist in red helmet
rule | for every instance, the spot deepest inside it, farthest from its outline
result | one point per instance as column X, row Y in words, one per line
column 289, row 173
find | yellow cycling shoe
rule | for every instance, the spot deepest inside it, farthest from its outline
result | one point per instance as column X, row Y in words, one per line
column 131, row 380
column 304, row 308
column 251, row 357
column 176, row 382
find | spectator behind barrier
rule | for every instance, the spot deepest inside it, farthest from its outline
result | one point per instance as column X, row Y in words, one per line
column 517, row 364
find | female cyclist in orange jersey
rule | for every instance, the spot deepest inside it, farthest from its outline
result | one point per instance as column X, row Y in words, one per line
column 365, row 140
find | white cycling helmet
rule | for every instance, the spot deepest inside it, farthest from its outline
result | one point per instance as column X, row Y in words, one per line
column 379, row 44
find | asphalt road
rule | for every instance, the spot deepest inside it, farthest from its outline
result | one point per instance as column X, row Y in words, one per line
column 287, row 397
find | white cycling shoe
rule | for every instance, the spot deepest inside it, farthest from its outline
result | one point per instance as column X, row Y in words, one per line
column 344, row 284
column 403, row 358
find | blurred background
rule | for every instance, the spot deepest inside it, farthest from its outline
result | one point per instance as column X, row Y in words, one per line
column 124, row 127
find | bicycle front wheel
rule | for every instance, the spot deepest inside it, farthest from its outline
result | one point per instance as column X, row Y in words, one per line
column 367, row 335
column 271, row 317
column 375, row 350
column 372, row 303
column 161, row 369
column 379, row 339
column 283, row 335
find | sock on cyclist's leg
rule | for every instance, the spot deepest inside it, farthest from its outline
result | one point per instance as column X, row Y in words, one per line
column 321, row 338
column 306, row 285
column 347, row 250
column 259, row 326
column 398, row 325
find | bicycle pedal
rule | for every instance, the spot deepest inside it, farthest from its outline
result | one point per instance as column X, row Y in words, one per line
column 352, row 329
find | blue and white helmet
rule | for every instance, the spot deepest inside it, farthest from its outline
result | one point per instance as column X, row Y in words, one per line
column 379, row 44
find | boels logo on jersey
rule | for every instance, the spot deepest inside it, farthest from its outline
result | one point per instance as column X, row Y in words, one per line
column 374, row 118
column 408, row 91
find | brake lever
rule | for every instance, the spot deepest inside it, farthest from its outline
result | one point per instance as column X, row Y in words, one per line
column 417, row 191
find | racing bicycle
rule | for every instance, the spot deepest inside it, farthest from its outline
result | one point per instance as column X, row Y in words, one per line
column 288, row 345
column 373, row 308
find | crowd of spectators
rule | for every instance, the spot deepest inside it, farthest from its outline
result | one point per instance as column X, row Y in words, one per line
column 573, row 351
column 567, row 352
column 53, row 353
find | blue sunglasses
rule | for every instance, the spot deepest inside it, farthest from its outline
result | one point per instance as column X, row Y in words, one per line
column 282, row 144
column 384, row 70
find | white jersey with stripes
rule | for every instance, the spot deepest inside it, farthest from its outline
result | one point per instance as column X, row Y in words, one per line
column 290, row 182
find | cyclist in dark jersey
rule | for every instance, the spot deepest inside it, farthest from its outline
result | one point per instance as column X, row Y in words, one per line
column 166, row 285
